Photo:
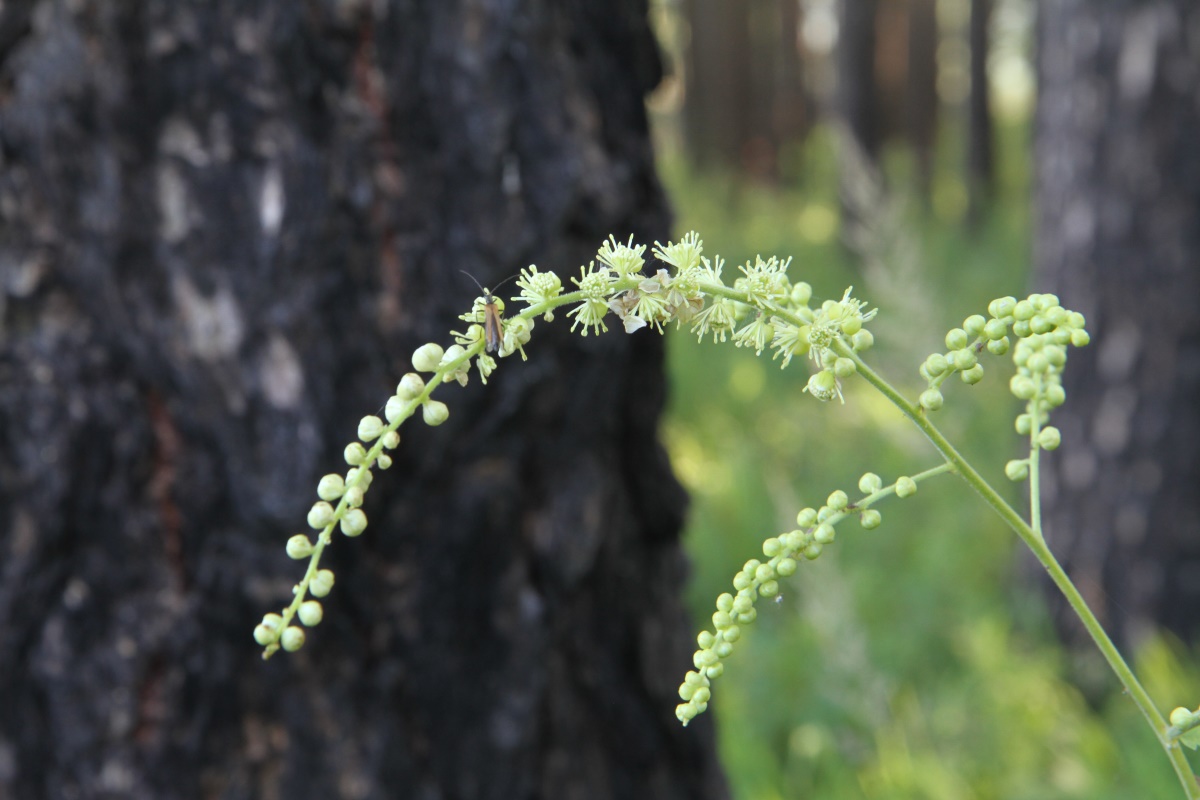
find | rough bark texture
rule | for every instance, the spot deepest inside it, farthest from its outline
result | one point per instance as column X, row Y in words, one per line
column 1118, row 238
column 223, row 229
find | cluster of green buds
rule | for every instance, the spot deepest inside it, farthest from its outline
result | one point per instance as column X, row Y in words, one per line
column 341, row 498
column 815, row 528
column 1039, row 323
column 763, row 308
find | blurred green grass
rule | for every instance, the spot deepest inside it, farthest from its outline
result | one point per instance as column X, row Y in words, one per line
column 910, row 661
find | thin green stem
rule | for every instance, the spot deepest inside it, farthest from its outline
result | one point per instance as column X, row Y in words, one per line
column 1036, row 543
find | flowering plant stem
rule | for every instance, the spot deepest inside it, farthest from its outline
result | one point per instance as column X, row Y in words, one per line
column 763, row 309
column 1036, row 543
column 1033, row 539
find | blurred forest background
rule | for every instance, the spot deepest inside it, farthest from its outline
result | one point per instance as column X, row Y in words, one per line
column 891, row 146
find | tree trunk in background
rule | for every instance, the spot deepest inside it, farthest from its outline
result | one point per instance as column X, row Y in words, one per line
column 719, row 102
column 921, row 110
column 855, row 61
column 223, row 230
column 745, row 94
column 981, row 167
column 1118, row 238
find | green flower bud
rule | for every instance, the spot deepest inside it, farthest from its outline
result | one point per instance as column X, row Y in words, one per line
column 973, row 375
column 1022, row 386
column 1040, row 324
column 321, row 584
column 956, row 339
column 1021, row 328
column 292, row 638
column 1055, row 395
column 825, row 513
column 813, row 551
column 427, row 357
column 369, row 428
column 870, row 519
column 838, row 500
column 1037, row 362
column 764, row 573
column 905, row 487
column 998, row 347
column 786, row 567
column 748, row 616
column 824, row 534
column 354, row 496
column 1182, row 717
column 742, row 581
column 1080, row 338
column 355, row 454
column 1002, row 306
column 384, row 461
column 1042, row 302
column 772, row 547
column 870, row 483
column 331, row 487
column 1049, row 438
column 715, row 671
column 862, row 341
column 844, row 368
column 974, row 324
column 806, row 517
column 1024, row 424
column 769, row 588
column 702, row 659
column 750, row 566
column 733, row 632
column 932, row 399
column 1023, row 311
column 391, row 440
column 725, row 602
column 702, row 694
column 705, row 639
column 822, row 385
column 263, row 635
column 354, row 522
column 1017, row 470
column 435, row 413
column 452, row 354
column 936, row 365
column 310, row 613
column 320, row 515
column 299, row 547
column 801, row 293
column 742, row 603
column 965, row 359
column 994, row 329
column 410, row 387
column 395, row 409
column 721, row 620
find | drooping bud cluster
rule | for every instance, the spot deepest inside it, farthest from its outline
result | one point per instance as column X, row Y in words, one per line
column 341, row 497
column 815, row 528
column 1040, row 315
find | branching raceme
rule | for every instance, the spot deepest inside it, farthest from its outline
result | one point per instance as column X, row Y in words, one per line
column 762, row 309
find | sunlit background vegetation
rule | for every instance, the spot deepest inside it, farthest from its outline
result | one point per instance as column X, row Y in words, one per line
column 916, row 660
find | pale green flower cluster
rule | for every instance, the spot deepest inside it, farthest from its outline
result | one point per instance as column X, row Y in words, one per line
column 763, row 309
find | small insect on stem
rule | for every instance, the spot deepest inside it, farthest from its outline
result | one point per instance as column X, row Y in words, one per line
column 493, row 331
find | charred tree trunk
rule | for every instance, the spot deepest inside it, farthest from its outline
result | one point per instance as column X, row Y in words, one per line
column 224, row 228
column 1118, row 238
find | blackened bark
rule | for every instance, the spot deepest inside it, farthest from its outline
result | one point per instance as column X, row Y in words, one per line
column 1118, row 238
column 223, row 229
